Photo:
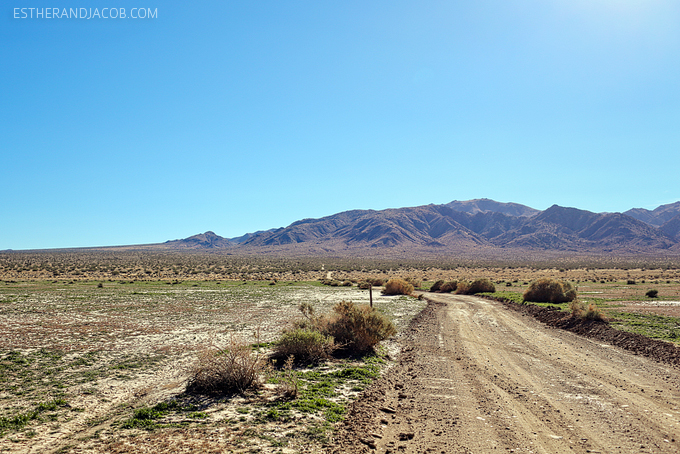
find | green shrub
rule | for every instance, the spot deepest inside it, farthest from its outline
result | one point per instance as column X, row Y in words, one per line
column 306, row 345
column 652, row 293
column 546, row 290
column 397, row 287
column 358, row 328
column 364, row 285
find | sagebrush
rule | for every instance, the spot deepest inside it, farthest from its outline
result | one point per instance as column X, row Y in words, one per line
column 234, row 368
column 550, row 291
column 398, row 287
column 305, row 344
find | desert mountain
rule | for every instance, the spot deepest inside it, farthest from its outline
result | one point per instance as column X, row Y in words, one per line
column 672, row 228
column 247, row 236
column 207, row 240
column 656, row 217
column 487, row 205
column 459, row 226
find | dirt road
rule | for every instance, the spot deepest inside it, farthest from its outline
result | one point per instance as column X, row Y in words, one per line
column 476, row 378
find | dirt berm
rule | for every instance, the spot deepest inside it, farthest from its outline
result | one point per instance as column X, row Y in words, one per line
column 475, row 377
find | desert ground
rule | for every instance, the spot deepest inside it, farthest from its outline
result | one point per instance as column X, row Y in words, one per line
column 95, row 358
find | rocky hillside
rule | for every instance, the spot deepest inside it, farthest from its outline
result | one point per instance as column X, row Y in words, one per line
column 466, row 225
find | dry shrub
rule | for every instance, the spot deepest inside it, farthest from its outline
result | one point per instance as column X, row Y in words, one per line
column 305, row 344
column 437, row 285
column 234, row 368
column 376, row 281
column 414, row 281
column 364, row 285
column 449, row 287
column 577, row 308
column 481, row 286
column 546, row 290
column 462, row 288
column 594, row 313
column 397, row 287
column 289, row 381
column 358, row 328
column 477, row 286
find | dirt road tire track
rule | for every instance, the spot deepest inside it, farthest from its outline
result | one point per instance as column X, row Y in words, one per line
column 475, row 377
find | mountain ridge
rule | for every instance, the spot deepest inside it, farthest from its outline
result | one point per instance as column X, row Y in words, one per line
column 465, row 225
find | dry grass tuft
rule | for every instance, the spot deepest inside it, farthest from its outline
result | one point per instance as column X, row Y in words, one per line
column 592, row 312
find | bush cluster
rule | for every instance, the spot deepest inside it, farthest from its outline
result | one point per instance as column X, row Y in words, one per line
column 437, row 285
column 550, row 291
column 356, row 328
column 448, row 287
column 477, row 286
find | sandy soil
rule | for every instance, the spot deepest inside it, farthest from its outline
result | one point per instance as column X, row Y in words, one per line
column 475, row 377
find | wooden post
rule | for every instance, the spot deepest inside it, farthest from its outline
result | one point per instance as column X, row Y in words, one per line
column 370, row 293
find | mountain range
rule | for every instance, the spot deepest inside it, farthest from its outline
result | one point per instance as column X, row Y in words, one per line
column 480, row 224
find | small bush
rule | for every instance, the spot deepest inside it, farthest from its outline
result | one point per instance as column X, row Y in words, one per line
column 358, row 328
column 414, row 281
column 652, row 293
column 437, row 285
column 397, row 287
column 364, row 285
column 448, row 287
column 481, row 286
column 594, row 313
column 462, row 288
column 577, row 308
column 235, row 368
column 305, row 345
column 289, row 382
column 549, row 291
column 630, row 282
column 477, row 286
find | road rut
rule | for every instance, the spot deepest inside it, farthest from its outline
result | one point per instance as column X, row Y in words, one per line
column 474, row 377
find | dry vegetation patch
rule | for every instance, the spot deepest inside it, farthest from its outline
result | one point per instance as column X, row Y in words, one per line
column 88, row 365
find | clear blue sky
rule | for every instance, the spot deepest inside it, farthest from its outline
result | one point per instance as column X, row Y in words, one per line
column 242, row 115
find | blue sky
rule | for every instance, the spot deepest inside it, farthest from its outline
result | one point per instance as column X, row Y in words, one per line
column 237, row 116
